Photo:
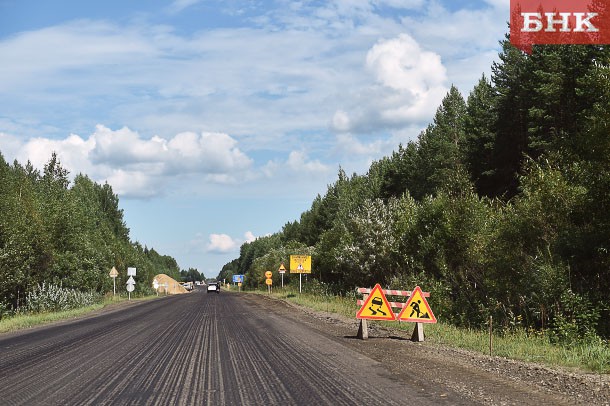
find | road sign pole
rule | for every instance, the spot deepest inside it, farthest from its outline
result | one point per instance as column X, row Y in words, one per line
column 282, row 279
column 300, row 282
column 114, row 286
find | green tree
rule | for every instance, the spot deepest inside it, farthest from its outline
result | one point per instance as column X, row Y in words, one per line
column 439, row 146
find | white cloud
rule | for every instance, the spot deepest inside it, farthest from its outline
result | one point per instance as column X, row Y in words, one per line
column 411, row 83
column 297, row 165
column 136, row 166
column 264, row 83
column 249, row 236
column 401, row 64
column 221, row 243
column 351, row 146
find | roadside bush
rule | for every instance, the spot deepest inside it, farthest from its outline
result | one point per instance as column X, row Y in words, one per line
column 53, row 298
column 575, row 321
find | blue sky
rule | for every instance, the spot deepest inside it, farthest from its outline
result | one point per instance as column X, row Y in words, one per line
column 217, row 122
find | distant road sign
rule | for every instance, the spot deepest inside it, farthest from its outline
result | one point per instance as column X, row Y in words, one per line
column 238, row 278
column 300, row 264
column 131, row 281
column 282, row 269
column 131, row 271
column 113, row 273
column 268, row 274
column 269, row 282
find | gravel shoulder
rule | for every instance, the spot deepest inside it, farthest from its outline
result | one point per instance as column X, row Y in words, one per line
column 484, row 379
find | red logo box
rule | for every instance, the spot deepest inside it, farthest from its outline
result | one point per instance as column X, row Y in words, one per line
column 559, row 22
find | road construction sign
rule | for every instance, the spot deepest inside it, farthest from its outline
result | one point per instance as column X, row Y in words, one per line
column 376, row 306
column 417, row 309
column 282, row 268
column 300, row 264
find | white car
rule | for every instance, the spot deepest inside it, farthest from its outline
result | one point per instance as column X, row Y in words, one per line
column 213, row 287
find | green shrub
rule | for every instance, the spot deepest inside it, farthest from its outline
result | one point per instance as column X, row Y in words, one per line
column 576, row 321
column 53, row 298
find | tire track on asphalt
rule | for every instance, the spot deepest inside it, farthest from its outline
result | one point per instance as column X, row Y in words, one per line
column 196, row 349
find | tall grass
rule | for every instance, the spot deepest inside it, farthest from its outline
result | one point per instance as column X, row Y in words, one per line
column 589, row 355
column 55, row 306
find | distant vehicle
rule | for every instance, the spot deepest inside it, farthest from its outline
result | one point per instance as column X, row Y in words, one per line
column 213, row 287
column 188, row 285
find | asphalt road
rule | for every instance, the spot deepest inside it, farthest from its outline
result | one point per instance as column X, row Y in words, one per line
column 195, row 349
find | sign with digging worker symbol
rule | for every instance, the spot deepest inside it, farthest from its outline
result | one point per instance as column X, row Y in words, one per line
column 417, row 309
column 376, row 306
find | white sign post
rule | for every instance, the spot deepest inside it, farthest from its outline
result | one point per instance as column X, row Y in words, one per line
column 130, row 285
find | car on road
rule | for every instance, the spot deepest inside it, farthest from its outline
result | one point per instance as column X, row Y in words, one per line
column 213, row 287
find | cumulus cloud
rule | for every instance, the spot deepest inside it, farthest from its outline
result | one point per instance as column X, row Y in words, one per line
column 410, row 83
column 224, row 243
column 296, row 165
column 350, row 146
column 249, row 236
column 401, row 64
column 221, row 244
column 136, row 166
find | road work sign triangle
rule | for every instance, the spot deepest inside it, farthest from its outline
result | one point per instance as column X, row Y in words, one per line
column 417, row 309
column 376, row 306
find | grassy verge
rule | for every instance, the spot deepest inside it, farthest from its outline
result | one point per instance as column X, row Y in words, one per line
column 22, row 321
column 591, row 357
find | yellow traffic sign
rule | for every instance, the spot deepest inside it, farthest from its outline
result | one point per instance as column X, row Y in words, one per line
column 282, row 268
column 269, row 282
column 376, row 306
column 417, row 309
column 300, row 264
column 268, row 274
column 113, row 273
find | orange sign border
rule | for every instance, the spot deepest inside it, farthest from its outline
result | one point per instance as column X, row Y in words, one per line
column 432, row 318
column 390, row 317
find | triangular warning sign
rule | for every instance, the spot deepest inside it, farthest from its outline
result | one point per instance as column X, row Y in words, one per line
column 282, row 267
column 376, row 307
column 417, row 309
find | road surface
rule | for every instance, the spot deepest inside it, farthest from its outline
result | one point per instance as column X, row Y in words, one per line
column 198, row 349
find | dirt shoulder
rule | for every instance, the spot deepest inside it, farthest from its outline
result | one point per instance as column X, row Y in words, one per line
column 483, row 379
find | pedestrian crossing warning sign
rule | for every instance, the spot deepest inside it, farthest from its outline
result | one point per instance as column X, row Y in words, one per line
column 417, row 309
column 376, row 306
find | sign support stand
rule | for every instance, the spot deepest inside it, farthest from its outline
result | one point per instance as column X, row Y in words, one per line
column 418, row 333
column 363, row 330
